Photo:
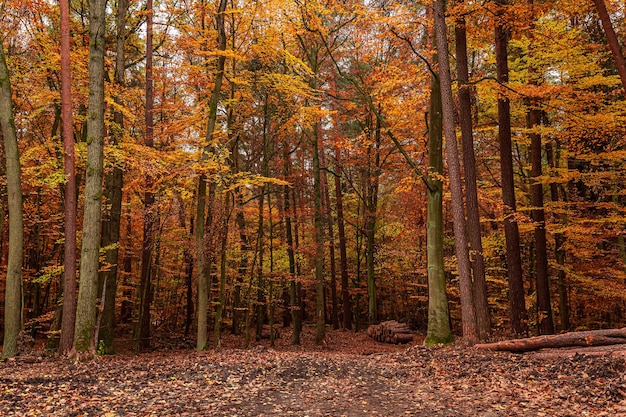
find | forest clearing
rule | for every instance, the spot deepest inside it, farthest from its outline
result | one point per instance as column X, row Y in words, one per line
column 351, row 375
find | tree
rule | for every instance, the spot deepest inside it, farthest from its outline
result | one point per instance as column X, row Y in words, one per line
column 611, row 38
column 470, row 330
column 13, row 292
column 517, row 305
column 202, row 264
column 544, row 304
column 438, row 331
column 69, row 254
column 113, row 182
column 84, row 337
column 483, row 320
column 142, row 330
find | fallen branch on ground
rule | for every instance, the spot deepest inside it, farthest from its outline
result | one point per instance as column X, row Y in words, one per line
column 571, row 339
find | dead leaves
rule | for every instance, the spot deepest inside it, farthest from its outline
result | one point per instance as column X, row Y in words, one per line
column 264, row 382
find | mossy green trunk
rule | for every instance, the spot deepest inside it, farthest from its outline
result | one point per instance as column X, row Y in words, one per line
column 438, row 314
column 13, row 292
column 89, row 262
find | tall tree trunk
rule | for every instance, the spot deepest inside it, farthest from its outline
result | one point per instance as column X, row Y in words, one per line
column 84, row 337
column 611, row 38
column 544, row 304
column 343, row 253
column 341, row 231
column 113, row 183
column 559, row 243
column 334, row 315
column 202, row 264
column 294, row 304
column 483, row 320
column 242, row 271
column 470, row 330
column 188, row 266
column 371, row 208
column 519, row 315
column 264, row 189
column 438, row 331
column 13, row 290
column 68, row 320
column 223, row 232
column 320, row 330
column 142, row 329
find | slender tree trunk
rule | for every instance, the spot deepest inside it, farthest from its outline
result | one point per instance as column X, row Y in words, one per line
column 611, row 38
column 519, row 315
column 470, row 330
column 559, row 243
column 243, row 263
column 188, row 267
column 343, row 254
column 13, row 291
column 334, row 315
column 68, row 318
column 483, row 320
column 544, row 304
column 142, row 329
column 113, row 183
column 84, row 337
column 126, row 312
column 266, row 155
column 320, row 331
column 203, row 265
column 222, row 283
column 438, row 331
column 293, row 284
column 371, row 208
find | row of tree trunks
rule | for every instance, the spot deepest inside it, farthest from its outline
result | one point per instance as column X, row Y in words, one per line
column 571, row 339
column 390, row 332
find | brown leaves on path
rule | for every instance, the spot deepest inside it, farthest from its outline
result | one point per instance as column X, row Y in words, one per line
column 348, row 377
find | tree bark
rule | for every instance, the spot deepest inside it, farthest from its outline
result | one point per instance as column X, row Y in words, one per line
column 559, row 242
column 544, row 305
column 519, row 316
column 13, row 291
column 84, row 337
column 113, row 183
column 334, row 315
column 483, row 320
column 294, row 299
column 341, row 231
column 611, row 38
column 68, row 318
column 320, row 329
column 438, row 331
column 470, row 330
column 202, row 264
column 372, row 175
column 142, row 328
column 571, row 339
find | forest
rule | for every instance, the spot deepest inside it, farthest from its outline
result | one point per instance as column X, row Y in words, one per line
column 204, row 168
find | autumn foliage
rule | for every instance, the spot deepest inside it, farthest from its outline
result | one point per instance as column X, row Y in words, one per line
column 332, row 82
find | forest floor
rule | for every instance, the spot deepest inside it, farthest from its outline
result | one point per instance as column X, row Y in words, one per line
column 350, row 375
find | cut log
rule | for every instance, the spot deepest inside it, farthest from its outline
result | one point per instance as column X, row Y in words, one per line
column 390, row 332
column 571, row 339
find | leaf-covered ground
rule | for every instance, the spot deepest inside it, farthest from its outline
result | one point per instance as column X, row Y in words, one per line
column 350, row 376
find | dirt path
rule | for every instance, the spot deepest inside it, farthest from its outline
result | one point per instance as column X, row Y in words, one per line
column 351, row 377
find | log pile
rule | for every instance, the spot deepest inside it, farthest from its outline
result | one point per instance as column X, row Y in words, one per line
column 390, row 332
column 572, row 339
